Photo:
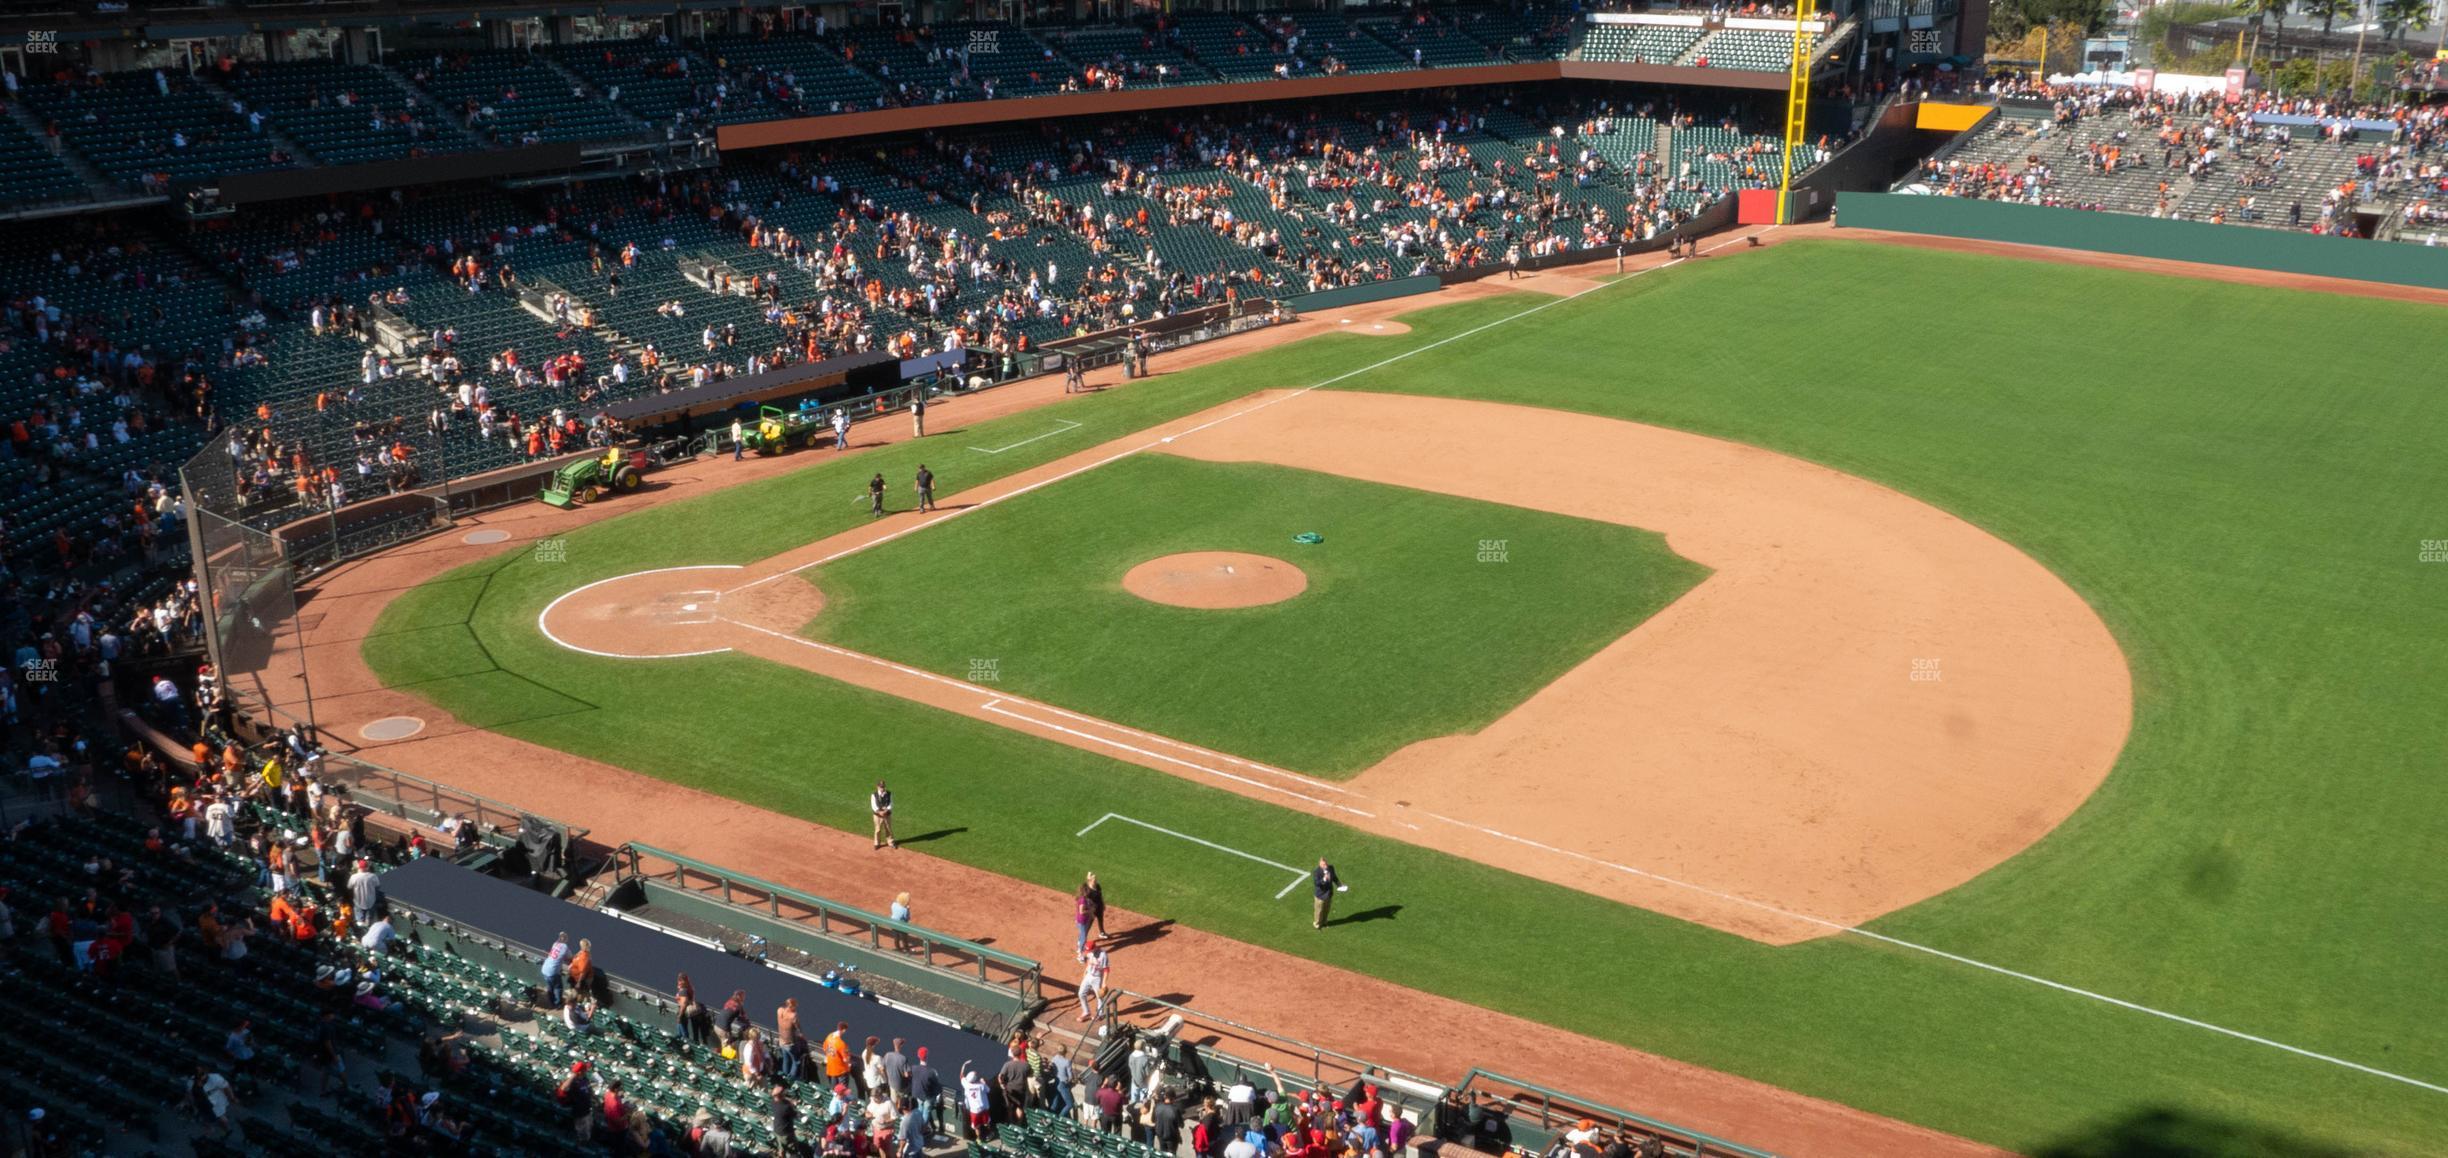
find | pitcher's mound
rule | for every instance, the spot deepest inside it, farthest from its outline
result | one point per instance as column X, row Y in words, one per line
column 1215, row 579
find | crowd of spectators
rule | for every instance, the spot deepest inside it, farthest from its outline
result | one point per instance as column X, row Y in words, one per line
column 1294, row 202
column 2166, row 145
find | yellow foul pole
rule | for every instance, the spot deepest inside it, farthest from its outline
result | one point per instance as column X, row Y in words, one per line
column 1797, row 100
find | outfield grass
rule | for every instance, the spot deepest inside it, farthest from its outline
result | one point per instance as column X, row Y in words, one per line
column 1403, row 633
column 2239, row 479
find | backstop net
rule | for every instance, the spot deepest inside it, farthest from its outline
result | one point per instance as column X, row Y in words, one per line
column 245, row 583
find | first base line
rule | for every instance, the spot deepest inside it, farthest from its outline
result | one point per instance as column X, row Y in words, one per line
column 1067, row 427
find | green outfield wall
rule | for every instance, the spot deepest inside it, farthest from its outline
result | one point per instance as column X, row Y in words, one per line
column 2391, row 262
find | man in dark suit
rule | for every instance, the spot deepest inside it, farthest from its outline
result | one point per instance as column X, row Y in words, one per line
column 1323, row 885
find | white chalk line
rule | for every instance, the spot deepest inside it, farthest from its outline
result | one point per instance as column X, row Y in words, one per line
column 1900, row 943
column 1822, row 922
column 1067, row 427
column 544, row 617
column 1168, row 741
column 996, row 706
column 1151, row 444
column 1298, row 875
column 994, row 701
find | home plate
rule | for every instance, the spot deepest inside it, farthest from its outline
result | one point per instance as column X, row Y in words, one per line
column 686, row 607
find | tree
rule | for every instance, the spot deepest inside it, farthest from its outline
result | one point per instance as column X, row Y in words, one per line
column 2398, row 15
column 2328, row 11
column 2086, row 16
column 2157, row 22
column 2261, row 11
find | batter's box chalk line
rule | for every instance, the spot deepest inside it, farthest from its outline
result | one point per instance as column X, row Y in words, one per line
column 1298, row 874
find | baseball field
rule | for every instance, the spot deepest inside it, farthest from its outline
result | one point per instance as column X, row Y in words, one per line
column 1997, row 695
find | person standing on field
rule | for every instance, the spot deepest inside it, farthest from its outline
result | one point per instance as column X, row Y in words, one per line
column 926, row 488
column 1324, row 883
column 841, row 429
column 879, row 803
column 1097, row 963
column 1096, row 904
column 739, row 440
column 1083, row 915
column 918, row 415
column 875, row 496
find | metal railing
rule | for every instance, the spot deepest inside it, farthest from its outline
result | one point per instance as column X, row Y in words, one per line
column 1329, row 1070
column 417, row 800
column 939, row 951
column 1556, row 1110
column 1901, row 9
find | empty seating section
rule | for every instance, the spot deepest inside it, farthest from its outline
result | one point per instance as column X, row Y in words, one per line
column 1017, row 63
column 1639, row 43
column 1520, row 35
column 1428, row 40
column 1235, row 48
column 515, row 97
column 805, row 66
column 344, row 113
column 654, row 81
column 131, row 126
column 1749, row 49
column 1146, row 56
column 1326, row 36
column 30, row 173
column 916, row 69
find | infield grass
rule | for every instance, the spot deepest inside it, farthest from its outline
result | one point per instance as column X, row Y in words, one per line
column 2239, row 479
column 1404, row 633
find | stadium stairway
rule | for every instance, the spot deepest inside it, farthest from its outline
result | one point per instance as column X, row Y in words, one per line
column 271, row 126
column 580, row 84
column 30, row 177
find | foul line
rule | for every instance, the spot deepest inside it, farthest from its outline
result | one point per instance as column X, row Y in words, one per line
column 994, row 703
column 1298, row 875
column 2000, row 970
column 1067, row 427
column 996, row 706
column 1152, row 444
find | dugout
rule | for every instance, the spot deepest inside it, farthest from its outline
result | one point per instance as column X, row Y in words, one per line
column 684, row 412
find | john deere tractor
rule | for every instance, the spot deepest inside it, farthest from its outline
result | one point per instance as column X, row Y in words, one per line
column 618, row 471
